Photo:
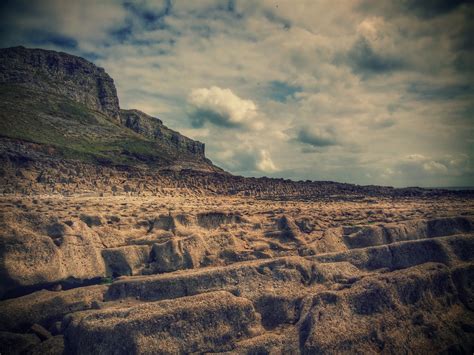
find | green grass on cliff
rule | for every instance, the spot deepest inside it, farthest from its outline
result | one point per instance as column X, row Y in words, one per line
column 73, row 130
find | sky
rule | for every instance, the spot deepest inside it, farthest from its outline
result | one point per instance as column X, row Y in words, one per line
column 359, row 91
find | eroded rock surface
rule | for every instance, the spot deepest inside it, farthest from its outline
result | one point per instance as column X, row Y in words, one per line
column 207, row 322
column 236, row 276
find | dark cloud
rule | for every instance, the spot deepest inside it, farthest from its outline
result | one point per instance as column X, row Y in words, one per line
column 432, row 8
column 11, row 27
column 383, row 123
column 422, row 9
column 199, row 117
column 150, row 17
column 56, row 40
column 365, row 61
column 423, row 91
column 317, row 137
column 271, row 16
column 45, row 38
column 464, row 62
column 123, row 33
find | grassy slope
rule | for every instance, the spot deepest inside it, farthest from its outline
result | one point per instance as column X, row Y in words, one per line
column 73, row 129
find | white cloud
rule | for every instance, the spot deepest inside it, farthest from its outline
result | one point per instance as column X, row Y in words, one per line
column 265, row 162
column 222, row 107
column 435, row 167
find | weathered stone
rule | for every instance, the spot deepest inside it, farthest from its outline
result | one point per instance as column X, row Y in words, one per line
column 51, row 346
column 202, row 323
column 60, row 73
column 375, row 315
column 178, row 253
column 154, row 128
column 31, row 259
column 46, row 307
column 40, row 331
column 126, row 260
column 14, row 343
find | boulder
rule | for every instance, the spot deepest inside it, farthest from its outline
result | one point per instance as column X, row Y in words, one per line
column 126, row 260
column 14, row 343
column 389, row 313
column 178, row 254
column 214, row 219
column 365, row 236
column 31, row 259
column 248, row 279
column 52, row 346
column 207, row 322
column 46, row 307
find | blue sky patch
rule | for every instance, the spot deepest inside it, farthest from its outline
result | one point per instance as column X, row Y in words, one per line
column 281, row 91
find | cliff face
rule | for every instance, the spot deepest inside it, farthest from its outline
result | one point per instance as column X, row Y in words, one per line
column 60, row 73
column 64, row 100
column 153, row 128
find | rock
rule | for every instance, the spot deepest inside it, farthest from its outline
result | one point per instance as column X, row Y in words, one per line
column 56, row 327
column 126, row 260
column 63, row 74
column 92, row 221
column 51, row 346
column 364, row 236
column 40, row 331
column 28, row 260
column 31, row 259
column 214, row 219
column 367, row 317
column 289, row 231
column 178, row 254
column 202, row 323
column 13, row 343
column 403, row 254
column 46, row 307
column 249, row 279
column 153, row 128
column 163, row 222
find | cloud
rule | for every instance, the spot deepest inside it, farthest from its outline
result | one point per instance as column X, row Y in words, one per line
column 425, row 91
column 247, row 160
column 56, row 22
column 317, row 137
column 419, row 167
column 381, row 122
column 362, row 58
column 265, row 162
column 221, row 107
column 423, row 9
column 435, row 167
column 432, row 8
column 362, row 94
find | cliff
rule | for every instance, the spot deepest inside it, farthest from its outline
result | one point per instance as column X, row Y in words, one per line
column 71, row 105
column 154, row 128
column 62, row 74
